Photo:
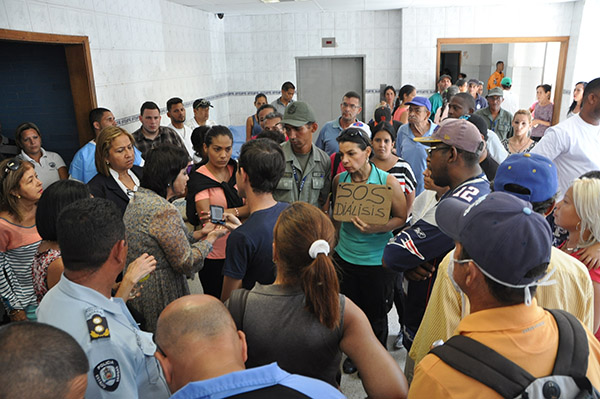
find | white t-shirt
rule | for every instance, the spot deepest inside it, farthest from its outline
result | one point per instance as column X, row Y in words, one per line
column 47, row 168
column 574, row 146
column 186, row 135
column 510, row 101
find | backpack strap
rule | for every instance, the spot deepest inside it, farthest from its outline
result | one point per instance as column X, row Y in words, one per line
column 237, row 306
column 573, row 349
column 484, row 364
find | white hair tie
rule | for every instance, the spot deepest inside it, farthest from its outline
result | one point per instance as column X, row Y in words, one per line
column 318, row 247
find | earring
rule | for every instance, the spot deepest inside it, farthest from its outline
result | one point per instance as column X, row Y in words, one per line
column 578, row 226
column 18, row 196
column 108, row 163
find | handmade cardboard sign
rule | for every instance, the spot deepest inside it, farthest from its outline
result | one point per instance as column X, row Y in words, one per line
column 370, row 202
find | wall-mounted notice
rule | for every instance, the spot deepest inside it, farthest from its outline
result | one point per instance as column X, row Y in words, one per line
column 370, row 202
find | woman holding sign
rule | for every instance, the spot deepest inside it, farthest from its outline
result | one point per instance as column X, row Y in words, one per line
column 360, row 247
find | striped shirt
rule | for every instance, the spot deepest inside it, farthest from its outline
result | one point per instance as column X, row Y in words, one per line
column 405, row 176
column 18, row 246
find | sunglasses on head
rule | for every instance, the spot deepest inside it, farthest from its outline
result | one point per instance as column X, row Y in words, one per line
column 352, row 132
column 12, row 165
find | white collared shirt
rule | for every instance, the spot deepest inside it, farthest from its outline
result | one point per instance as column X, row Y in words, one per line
column 127, row 191
column 47, row 168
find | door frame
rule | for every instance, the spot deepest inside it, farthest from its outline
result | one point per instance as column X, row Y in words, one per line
column 562, row 58
column 79, row 66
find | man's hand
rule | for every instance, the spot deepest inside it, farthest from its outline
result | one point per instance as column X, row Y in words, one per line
column 421, row 272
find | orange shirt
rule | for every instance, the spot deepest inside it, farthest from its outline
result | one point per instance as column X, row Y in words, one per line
column 527, row 335
column 494, row 80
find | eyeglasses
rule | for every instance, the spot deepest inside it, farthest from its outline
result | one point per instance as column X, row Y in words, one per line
column 351, row 106
column 432, row 149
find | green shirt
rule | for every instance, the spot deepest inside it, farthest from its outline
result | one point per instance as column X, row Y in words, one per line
column 309, row 184
column 502, row 125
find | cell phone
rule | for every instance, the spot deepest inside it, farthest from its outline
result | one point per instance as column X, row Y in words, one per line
column 216, row 214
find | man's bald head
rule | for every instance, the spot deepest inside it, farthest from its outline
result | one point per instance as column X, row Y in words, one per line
column 192, row 318
column 197, row 339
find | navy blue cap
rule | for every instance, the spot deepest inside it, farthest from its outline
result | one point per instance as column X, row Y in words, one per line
column 501, row 233
column 534, row 172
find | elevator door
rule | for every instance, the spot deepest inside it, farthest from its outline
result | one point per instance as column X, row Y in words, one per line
column 323, row 81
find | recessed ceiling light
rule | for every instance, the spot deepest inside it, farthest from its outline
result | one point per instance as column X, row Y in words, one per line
column 270, row 1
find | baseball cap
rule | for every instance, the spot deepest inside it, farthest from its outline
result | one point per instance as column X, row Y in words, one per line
column 445, row 76
column 516, row 238
column 473, row 81
column 297, row 114
column 202, row 103
column 458, row 133
column 506, row 81
column 479, row 122
column 383, row 114
column 421, row 102
column 534, row 172
column 362, row 126
column 496, row 91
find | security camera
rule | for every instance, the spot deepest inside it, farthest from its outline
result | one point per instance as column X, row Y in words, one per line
column 220, row 15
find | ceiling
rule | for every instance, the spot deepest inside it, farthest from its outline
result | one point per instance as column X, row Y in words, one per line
column 253, row 7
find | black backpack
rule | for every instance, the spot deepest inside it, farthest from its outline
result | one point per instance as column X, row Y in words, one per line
column 568, row 379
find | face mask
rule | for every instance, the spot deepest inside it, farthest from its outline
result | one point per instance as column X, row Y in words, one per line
column 451, row 270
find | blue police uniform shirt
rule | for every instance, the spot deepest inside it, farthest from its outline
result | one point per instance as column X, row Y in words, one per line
column 83, row 165
column 121, row 356
column 256, row 378
column 328, row 135
column 424, row 241
column 414, row 153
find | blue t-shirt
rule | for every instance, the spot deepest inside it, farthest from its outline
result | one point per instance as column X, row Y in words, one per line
column 328, row 135
column 249, row 250
column 414, row 153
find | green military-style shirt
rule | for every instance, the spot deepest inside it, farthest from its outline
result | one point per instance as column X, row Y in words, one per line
column 311, row 185
column 502, row 125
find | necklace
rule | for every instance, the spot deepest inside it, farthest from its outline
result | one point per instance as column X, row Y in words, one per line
column 515, row 150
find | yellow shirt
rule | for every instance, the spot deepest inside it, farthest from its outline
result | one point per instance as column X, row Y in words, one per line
column 527, row 335
column 494, row 80
column 572, row 292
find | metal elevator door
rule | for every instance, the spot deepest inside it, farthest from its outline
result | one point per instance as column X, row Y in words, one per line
column 323, row 81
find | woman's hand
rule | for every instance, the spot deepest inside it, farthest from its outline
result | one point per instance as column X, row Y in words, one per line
column 18, row 315
column 231, row 222
column 203, row 232
column 217, row 233
column 590, row 256
column 365, row 228
column 140, row 268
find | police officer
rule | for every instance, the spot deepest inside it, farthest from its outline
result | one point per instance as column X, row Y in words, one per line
column 91, row 236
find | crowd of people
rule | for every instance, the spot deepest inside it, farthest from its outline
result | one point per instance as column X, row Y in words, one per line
column 486, row 218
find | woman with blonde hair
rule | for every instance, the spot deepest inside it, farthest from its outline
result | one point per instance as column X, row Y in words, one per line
column 301, row 321
column 20, row 190
column 521, row 140
column 579, row 214
column 118, row 178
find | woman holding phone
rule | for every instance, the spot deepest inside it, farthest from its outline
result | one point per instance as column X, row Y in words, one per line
column 214, row 183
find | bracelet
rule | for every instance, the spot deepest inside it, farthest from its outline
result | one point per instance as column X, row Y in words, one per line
column 237, row 212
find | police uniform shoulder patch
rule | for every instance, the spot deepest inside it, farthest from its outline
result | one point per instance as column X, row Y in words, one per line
column 97, row 323
column 107, row 374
